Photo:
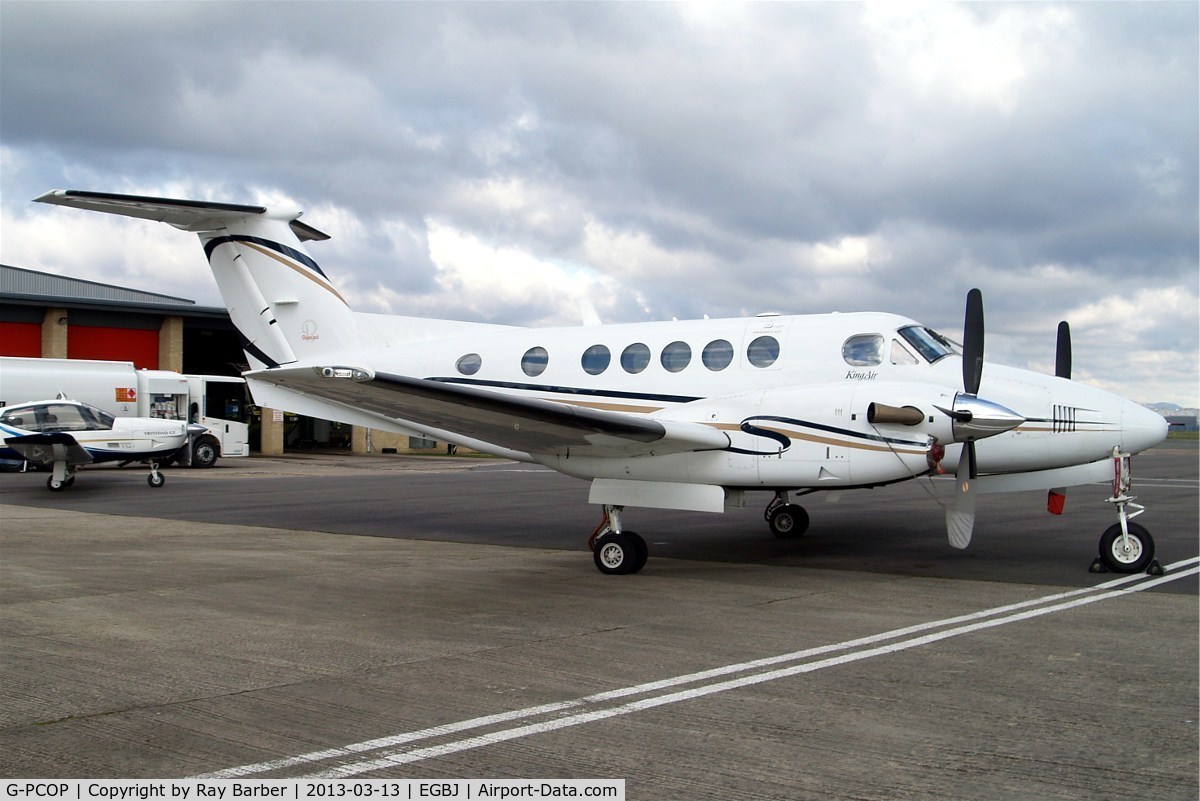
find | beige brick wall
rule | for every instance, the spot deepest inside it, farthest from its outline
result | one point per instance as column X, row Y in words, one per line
column 170, row 344
column 54, row 334
column 272, row 432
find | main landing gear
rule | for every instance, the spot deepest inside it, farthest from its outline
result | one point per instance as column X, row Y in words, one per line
column 1125, row 547
column 614, row 550
column 57, row 483
column 785, row 519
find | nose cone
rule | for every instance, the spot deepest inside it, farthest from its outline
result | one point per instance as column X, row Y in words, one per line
column 1141, row 428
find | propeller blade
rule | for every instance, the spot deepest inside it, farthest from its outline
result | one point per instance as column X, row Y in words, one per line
column 973, row 343
column 1062, row 354
column 960, row 515
column 959, row 524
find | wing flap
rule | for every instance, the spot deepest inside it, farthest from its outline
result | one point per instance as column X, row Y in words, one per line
column 529, row 425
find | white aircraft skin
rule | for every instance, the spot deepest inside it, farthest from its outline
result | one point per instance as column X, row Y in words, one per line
column 774, row 403
column 64, row 434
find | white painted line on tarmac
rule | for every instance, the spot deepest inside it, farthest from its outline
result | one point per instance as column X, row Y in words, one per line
column 355, row 758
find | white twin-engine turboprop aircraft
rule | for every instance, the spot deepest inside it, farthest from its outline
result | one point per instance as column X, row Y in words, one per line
column 674, row 415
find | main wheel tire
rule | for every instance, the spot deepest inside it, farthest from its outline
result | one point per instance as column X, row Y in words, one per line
column 615, row 554
column 54, row 485
column 1121, row 556
column 204, row 453
column 788, row 521
column 156, row 480
column 641, row 551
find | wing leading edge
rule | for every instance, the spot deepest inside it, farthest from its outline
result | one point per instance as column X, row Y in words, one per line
column 527, row 425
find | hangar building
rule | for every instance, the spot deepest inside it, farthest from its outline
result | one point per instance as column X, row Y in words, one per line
column 43, row 315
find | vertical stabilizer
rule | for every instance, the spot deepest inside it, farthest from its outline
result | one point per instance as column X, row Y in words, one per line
column 278, row 297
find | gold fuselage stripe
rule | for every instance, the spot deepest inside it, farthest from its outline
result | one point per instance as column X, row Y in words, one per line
column 293, row 266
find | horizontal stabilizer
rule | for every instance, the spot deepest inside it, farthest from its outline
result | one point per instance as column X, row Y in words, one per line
column 190, row 215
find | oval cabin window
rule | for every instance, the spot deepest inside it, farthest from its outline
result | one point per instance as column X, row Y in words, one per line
column 763, row 351
column 635, row 358
column 717, row 354
column 534, row 361
column 469, row 364
column 595, row 360
column 676, row 356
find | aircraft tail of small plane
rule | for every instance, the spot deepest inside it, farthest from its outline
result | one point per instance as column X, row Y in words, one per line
column 277, row 295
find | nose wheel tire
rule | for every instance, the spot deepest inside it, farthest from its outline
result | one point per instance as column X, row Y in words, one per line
column 618, row 554
column 1131, row 554
column 787, row 521
column 156, row 480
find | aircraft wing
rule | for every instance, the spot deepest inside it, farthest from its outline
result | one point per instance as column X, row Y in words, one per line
column 46, row 449
column 527, row 425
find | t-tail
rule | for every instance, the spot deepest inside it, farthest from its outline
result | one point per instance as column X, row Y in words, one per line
column 280, row 300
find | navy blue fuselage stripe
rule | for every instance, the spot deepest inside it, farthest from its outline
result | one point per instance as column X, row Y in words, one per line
column 291, row 253
column 834, row 430
column 749, row 429
column 255, row 352
column 576, row 391
column 784, row 441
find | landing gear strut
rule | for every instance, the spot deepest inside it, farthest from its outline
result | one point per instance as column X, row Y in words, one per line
column 1125, row 547
column 614, row 550
column 61, row 476
column 155, row 479
column 785, row 519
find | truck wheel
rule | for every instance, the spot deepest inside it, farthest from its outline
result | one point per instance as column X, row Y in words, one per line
column 204, row 453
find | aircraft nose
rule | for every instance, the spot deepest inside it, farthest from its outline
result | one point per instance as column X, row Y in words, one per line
column 1141, row 428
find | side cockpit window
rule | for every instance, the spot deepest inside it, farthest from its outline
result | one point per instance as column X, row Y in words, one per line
column 99, row 418
column 902, row 355
column 863, row 350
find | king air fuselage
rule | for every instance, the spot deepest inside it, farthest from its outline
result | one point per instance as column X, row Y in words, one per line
column 815, row 401
column 680, row 415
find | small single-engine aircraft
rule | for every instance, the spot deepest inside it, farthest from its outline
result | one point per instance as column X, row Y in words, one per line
column 674, row 415
column 64, row 434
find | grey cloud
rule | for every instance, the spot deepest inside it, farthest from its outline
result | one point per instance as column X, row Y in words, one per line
column 731, row 139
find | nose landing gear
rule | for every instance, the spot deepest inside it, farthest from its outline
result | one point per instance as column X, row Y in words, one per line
column 1125, row 547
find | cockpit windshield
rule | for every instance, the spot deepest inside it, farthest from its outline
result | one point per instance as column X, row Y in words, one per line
column 929, row 343
column 54, row 416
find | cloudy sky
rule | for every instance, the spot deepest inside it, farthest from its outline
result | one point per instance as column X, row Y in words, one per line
column 499, row 161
